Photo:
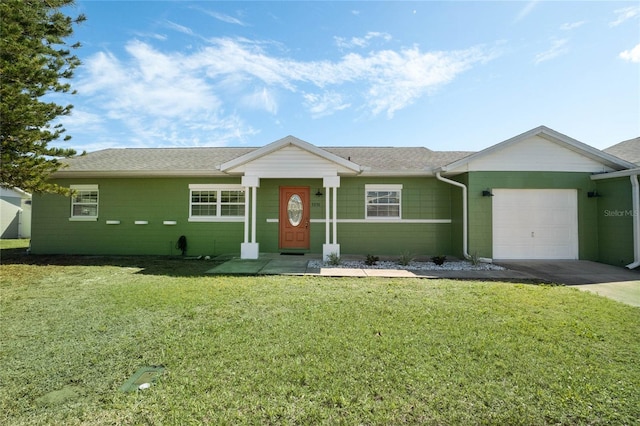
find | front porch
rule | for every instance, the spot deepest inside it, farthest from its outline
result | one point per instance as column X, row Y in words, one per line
column 292, row 159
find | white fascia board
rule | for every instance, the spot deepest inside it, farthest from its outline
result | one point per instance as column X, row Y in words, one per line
column 612, row 175
column 289, row 140
column 584, row 149
column 550, row 135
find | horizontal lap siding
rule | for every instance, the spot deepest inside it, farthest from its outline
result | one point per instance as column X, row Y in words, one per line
column 158, row 200
column 129, row 200
column 395, row 238
column 615, row 220
column 422, row 198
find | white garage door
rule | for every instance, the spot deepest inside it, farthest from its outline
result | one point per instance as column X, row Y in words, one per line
column 535, row 224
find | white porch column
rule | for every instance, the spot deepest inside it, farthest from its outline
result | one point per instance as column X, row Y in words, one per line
column 335, row 215
column 250, row 250
column 330, row 247
column 327, row 216
column 254, row 202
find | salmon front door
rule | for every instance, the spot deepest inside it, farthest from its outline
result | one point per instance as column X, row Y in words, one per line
column 294, row 217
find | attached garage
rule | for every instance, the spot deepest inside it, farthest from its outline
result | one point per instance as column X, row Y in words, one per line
column 535, row 224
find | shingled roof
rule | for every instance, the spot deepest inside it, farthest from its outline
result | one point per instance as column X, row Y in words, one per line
column 128, row 162
column 628, row 150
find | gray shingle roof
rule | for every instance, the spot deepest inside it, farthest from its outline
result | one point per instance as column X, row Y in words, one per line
column 153, row 159
column 628, row 150
column 203, row 161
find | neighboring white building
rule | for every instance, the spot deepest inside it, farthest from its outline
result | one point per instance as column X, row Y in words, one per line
column 15, row 213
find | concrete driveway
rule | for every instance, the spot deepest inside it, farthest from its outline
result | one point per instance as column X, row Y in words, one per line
column 610, row 281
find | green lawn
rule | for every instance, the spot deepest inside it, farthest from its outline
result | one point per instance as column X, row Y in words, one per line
column 305, row 350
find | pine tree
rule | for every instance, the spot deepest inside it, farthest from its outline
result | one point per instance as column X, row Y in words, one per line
column 35, row 60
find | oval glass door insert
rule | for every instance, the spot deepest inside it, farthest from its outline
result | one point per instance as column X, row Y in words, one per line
column 294, row 210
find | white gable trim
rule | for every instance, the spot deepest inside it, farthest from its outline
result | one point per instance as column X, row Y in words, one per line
column 242, row 163
column 607, row 160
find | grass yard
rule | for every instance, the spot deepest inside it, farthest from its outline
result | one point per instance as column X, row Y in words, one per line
column 305, row 350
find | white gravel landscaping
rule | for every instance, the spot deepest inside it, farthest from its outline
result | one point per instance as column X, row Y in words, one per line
column 454, row 265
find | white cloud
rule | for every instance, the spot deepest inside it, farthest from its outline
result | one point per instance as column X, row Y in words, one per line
column 526, row 10
column 171, row 98
column 262, row 100
column 625, row 14
column 387, row 80
column 155, row 96
column 178, row 27
column 85, row 120
column 558, row 48
column 156, row 36
column 223, row 17
column 360, row 42
column 320, row 105
column 568, row 26
column 632, row 55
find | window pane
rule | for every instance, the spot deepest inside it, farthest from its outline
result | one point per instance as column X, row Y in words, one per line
column 232, row 210
column 203, row 210
column 86, row 197
column 383, row 204
column 232, row 196
column 383, row 197
column 85, row 210
column 203, row 196
column 372, row 211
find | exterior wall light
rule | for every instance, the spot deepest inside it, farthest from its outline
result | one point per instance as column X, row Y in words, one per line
column 593, row 194
column 319, row 193
column 487, row 193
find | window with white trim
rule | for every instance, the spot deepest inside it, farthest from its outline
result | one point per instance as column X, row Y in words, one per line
column 84, row 202
column 215, row 202
column 383, row 201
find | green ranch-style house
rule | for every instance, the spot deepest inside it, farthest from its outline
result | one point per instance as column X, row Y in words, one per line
column 538, row 195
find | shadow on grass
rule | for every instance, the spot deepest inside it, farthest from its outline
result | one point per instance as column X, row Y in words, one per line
column 175, row 266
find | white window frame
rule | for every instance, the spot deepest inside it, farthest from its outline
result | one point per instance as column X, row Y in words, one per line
column 383, row 188
column 84, row 188
column 218, row 216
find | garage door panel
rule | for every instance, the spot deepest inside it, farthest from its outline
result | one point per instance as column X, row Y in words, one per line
column 535, row 224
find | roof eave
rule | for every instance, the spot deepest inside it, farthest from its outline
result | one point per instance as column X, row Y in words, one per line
column 135, row 173
column 618, row 174
column 552, row 136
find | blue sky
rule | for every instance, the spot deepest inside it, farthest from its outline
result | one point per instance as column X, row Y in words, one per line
column 444, row 75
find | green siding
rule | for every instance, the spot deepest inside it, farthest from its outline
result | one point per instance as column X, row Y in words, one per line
column 128, row 200
column 422, row 198
column 156, row 200
column 615, row 220
column 604, row 223
column 480, row 208
column 457, row 212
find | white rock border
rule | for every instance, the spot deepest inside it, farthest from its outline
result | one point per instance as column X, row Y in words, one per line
column 454, row 265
